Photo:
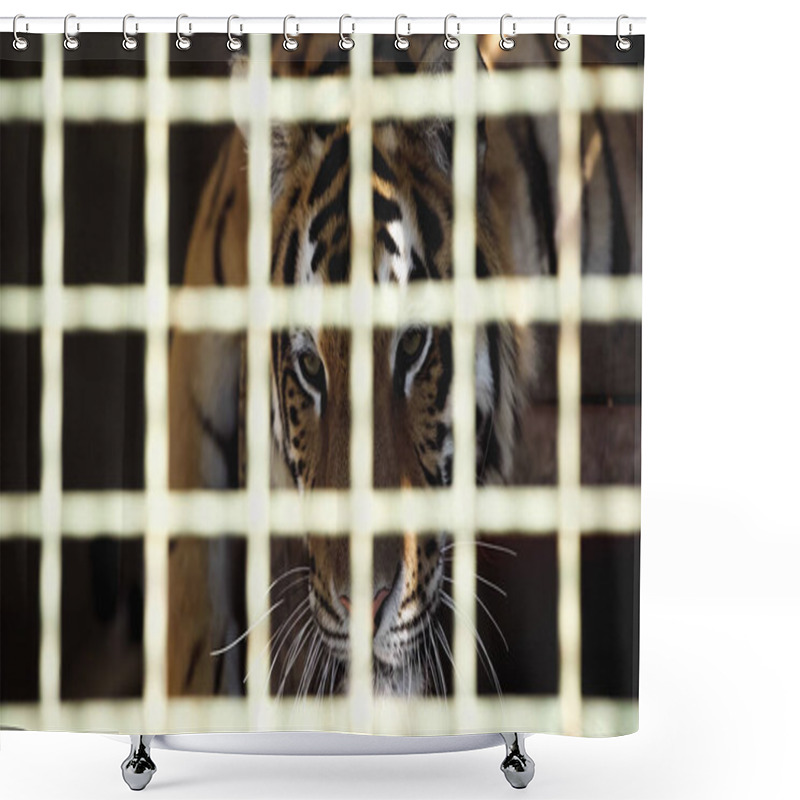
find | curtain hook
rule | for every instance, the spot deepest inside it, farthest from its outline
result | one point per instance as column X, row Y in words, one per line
column 623, row 44
column 561, row 43
column 20, row 42
column 345, row 40
column 507, row 42
column 451, row 42
column 182, row 42
column 234, row 42
column 70, row 42
column 289, row 42
column 401, row 42
column 129, row 42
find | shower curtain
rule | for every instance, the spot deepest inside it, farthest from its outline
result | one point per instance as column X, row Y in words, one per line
column 320, row 387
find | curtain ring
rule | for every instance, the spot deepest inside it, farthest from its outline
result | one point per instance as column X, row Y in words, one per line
column 20, row 42
column 345, row 41
column 401, row 42
column 129, row 42
column 561, row 43
column 289, row 42
column 234, row 43
column 70, row 42
column 451, row 42
column 507, row 42
column 623, row 44
column 182, row 42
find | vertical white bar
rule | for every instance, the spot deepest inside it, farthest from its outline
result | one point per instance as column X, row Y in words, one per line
column 52, row 377
column 463, row 392
column 156, row 442
column 258, row 381
column 569, row 390
column 361, row 279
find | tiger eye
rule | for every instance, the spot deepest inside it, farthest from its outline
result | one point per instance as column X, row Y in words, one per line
column 411, row 343
column 311, row 363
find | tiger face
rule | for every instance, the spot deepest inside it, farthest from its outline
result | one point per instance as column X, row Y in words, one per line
column 412, row 376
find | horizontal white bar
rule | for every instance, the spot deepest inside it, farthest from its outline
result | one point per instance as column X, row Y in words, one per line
column 207, row 513
column 399, row 716
column 521, row 300
column 531, row 90
column 461, row 25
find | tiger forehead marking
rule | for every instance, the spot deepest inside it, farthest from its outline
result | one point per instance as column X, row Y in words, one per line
column 411, row 208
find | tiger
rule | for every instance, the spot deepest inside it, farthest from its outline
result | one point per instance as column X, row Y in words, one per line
column 309, row 421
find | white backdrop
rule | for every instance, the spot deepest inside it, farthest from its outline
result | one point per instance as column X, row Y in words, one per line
column 720, row 613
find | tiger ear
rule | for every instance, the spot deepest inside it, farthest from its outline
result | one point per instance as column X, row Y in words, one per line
column 437, row 132
column 280, row 142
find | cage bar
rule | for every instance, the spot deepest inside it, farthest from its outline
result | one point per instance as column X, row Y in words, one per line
column 52, row 375
column 569, row 394
column 156, row 595
column 361, row 369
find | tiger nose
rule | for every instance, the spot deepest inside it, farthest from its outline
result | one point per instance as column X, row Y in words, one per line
column 377, row 605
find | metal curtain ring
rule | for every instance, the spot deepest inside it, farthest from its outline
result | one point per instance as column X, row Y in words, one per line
column 451, row 42
column 20, row 42
column 507, row 42
column 289, row 43
column 182, row 42
column 129, row 42
column 400, row 42
column 561, row 43
column 345, row 41
column 623, row 44
column 234, row 43
column 70, row 42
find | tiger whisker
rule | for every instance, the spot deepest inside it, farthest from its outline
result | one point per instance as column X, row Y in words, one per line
column 283, row 634
column 284, row 576
column 491, row 585
column 483, row 654
column 477, row 543
column 486, row 611
column 300, row 616
column 247, row 632
column 294, row 652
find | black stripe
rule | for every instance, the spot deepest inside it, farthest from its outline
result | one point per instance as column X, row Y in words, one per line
column 493, row 334
column 219, row 275
column 319, row 253
column 324, row 131
column 539, row 194
column 293, row 199
column 418, row 268
column 340, row 231
column 429, row 226
column 339, row 267
column 290, row 258
column 337, row 206
column 386, row 239
column 381, row 168
column 621, row 249
column 481, row 269
column 384, row 209
column 333, row 163
column 446, row 357
column 431, row 478
column 491, row 455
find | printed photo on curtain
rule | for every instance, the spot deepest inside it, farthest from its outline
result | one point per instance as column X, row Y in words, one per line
column 320, row 383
